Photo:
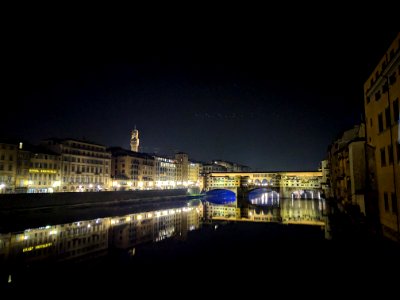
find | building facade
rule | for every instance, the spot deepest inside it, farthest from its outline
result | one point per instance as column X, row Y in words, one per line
column 8, row 166
column 44, row 172
column 381, row 100
column 132, row 170
column 165, row 172
column 232, row 166
column 352, row 168
column 182, row 168
column 85, row 166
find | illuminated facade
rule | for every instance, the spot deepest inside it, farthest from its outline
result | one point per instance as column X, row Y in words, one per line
column 187, row 172
column 85, row 166
column 26, row 168
column 194, row 174
column 44, row 172
column 135, row 140
column 381, row 99
column 165, row 172
column 132, row 170
column 182, row 168
column 8, row 166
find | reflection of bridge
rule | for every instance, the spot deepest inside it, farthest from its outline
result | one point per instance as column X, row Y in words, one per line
column 291, row 222
column 266, row 205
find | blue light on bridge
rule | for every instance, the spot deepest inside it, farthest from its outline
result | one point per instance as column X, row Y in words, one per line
column 220, row 196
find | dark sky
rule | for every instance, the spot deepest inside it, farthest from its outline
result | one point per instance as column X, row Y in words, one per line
column 271, row 99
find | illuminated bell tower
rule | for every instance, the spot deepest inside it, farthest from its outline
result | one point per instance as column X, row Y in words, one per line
column 135, row 140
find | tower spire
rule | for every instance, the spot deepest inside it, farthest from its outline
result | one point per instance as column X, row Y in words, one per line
column 135, row 140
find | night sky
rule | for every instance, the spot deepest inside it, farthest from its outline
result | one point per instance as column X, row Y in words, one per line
column 271, row 99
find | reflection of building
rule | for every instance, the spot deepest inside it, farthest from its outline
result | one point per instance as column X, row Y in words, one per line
column 85, row 166
column 66, row 241
column 215, row 211
column 382, row 94
column 90, row 238
column 132, row 170
column 154, row 226
column 348, row 158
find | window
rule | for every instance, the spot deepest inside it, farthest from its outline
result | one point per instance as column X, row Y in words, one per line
column 11, row 158
column 377, row 96
column 370, row 122
column 398, row 152
column 392, row 78
column 385, row 88
column 383, row 157
column 380, row 123
column 387, row 116
column 394, row 203
column 396, row 111
column 9, row 167
column 390, row 154
column 386, row 201
column 368, row 99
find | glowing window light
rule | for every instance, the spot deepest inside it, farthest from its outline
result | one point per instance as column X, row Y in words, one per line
column 139, row 217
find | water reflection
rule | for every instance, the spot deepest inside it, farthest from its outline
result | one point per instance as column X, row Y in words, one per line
column 309, row 211
column 94, row 237
column 266, row 205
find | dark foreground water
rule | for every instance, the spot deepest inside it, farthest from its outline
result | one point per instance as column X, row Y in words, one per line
column 168, row 247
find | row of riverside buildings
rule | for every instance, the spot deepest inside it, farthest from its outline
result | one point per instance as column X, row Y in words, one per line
column 71, row 165
column 363, row 164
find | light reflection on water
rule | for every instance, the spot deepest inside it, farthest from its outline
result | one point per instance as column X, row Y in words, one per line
column 96, row 236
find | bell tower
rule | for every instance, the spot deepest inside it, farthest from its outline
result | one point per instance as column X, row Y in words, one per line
column 135, row 140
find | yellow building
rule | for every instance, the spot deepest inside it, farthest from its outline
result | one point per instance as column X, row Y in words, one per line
column 182, row 168
column 8, row 166
column 44, row 172
column 193, row 174
column 382, row 93
column 132, row 170
column 85, row 166
column 26, row 168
